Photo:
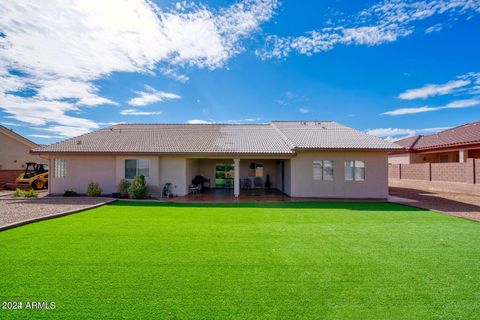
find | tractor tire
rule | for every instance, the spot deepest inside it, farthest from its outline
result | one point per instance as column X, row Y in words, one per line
column 38, row 184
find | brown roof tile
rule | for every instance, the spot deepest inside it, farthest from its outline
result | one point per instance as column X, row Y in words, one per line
column 275, row 138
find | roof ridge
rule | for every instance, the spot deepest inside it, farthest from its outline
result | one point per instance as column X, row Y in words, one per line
column 415, row 142
column 282, row 135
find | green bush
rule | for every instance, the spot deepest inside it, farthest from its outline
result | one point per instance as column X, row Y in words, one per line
column 94, row 190
column 70, row 193
column 138, row 189
column 123, row 187
column 30, row 194
column 26, row 194
column 18, row 193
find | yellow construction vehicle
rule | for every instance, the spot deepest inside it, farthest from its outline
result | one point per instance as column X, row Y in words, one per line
column 35, row 176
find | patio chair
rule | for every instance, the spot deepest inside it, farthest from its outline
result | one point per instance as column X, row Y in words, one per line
column 258, row 182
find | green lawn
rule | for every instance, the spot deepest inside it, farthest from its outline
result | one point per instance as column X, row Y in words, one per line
column 264, row 260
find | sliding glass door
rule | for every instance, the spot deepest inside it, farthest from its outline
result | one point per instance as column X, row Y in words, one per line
column 224, row 173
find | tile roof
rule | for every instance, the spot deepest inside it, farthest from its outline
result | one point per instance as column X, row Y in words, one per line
column 274, row 138
column 329, row 135
column 462, row 135
column 409, row 142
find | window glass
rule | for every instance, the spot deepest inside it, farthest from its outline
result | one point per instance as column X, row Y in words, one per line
column 444, row 158
column 60, row 168
column 143, row 167
column 255, row 170
column 259, row 170
column 130, row 168
column 359, row 170
column 317, row 170
column 349, row 170
column 328, row 170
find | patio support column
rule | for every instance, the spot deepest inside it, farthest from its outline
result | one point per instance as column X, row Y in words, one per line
column 462, row 155
column 236, row 178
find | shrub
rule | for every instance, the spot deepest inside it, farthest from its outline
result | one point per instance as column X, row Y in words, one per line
column 30, row 194
column 18, row 193
column 138, row 189
column 93, row 189
column 26, row 194
column 69, row 193
column 123, row 187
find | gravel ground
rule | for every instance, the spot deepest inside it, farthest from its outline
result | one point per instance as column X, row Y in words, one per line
column 13, row 211
column 456, row 204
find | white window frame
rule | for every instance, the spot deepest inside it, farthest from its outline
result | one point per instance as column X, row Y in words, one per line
column 355, row 169
column 60, row 168
column 320, row 165
column 137, row 168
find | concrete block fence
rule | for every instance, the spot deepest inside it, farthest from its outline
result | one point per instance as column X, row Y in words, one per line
column 451, row 177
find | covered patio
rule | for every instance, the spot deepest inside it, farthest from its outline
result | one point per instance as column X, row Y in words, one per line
column 227, row 178
column 227, row 195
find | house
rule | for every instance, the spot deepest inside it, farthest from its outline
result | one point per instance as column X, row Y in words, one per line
column 299, row 158
column 452, row 145
column 14, row 153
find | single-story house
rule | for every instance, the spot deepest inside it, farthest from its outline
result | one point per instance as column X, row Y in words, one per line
column 14, row 154
column 299, row 158
column 452, row 145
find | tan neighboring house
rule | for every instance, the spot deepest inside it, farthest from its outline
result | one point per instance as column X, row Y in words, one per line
column 452, row 145
column 299, row 158
column 446, row 161
column 14, row 153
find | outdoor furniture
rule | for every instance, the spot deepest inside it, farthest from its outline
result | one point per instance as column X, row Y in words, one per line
column 246, row 183
column 194, row 189
column 258, row 182
column 167, row 190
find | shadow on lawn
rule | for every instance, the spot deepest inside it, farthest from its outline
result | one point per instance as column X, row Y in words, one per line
column 354, row 206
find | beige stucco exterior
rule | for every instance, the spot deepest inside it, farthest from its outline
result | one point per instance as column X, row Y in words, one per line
column 108, row 170
column 375, row 185
column 15, row 151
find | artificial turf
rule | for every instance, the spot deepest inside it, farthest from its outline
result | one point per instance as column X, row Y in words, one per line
column 331, row 260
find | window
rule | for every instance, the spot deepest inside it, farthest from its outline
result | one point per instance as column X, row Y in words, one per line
column 323, row 170
column 444, row 158
column 256, row 170
column 60, row 168
column 355, row 170
column 136, row 167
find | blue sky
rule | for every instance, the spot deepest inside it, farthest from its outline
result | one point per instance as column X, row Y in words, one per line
column 391, row 68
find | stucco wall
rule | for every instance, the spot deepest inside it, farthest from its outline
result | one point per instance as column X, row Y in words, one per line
column 403, row 158
column 374, row 186
column 14, row 154
column 173, row 170
column 81, row 170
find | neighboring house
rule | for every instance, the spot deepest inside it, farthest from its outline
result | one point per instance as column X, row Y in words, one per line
column 14, row 153
column 299, row 158
column 452, row 145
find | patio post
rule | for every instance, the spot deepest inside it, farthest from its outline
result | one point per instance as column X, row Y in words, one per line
column 236, row 178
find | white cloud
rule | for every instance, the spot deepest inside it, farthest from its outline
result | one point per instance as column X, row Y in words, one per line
column 435, row 28
column 40, row 112
column 304, row 110
column 136, row 112
column 73, row 43
column 198, row 121
column 393, row 134
column 44, row 136
column 431, row 90
column 151, row 96
column 383, row 22
column 467, row 103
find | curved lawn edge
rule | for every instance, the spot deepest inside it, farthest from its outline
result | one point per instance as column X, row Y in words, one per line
column 53, row 215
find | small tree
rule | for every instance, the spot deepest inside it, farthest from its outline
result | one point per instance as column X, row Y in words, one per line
column 123, row 187
column 93, row 189
column 138, row 189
